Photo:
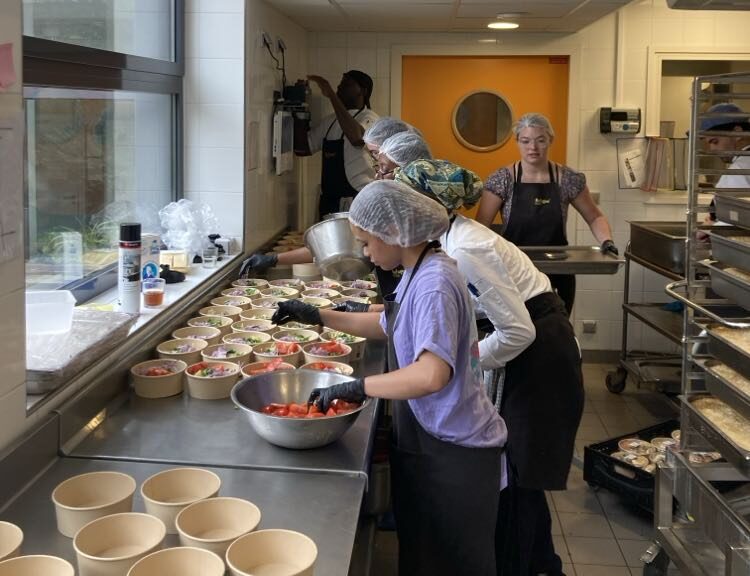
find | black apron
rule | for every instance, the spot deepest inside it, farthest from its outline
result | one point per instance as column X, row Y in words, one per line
column 445, row 496
column 334, row 186
column 543, row 399
column 536, row 219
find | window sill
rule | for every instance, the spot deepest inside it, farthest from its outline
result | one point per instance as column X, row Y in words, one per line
column 178, row 298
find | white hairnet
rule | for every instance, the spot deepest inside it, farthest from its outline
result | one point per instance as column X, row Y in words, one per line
column 397, row 215
column 384, row 128
column 406, row 147
column 533, row 120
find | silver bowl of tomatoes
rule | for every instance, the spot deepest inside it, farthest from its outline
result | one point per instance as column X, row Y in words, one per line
column 276, row 405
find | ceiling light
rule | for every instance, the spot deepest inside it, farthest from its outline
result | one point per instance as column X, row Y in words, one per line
column 502, row 25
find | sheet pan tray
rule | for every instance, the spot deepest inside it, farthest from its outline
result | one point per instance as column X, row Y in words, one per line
column 727, row 250
column 733, row 209
column 728, row 285
column 726, row 351
column 724, row 389
column 737, row 456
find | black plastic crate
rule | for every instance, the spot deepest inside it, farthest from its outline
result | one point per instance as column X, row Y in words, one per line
column 634, row 485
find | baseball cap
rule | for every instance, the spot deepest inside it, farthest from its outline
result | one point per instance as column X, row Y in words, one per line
column 726, row 123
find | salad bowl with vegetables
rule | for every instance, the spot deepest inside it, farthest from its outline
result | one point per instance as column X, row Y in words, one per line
column 231, row 352
column 268, row 302
column 250, row 282
column 295, row 283
column 298, row 336
column 371, row 295
column 321, row 303
column 356, row 343
column 255, row 368
column 210, row 335
column 254, row 326
column 186, row 349
column 321, row 293
column 223, row 323
column 329, row 366
column 246, row 292
column 289, row 352
column 257, row 314
column 324, row 351
column 280, row 292
column 247, row 338
column 229, row 311
column 237, row 301
column 360, row 285
column 294, row 325
column 158, row 378
column 211, row 380
column 324, row 285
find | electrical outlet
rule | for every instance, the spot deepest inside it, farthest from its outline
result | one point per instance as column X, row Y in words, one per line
column 265, row 39
column 589, row 326
column 280, row 44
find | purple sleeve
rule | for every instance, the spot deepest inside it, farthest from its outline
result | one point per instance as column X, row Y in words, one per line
column 572, row 183
column 500, row 183
column 435, row 331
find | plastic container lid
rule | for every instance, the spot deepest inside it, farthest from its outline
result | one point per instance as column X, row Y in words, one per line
column 49, row 312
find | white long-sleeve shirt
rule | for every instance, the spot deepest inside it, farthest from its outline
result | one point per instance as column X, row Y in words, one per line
column 505, row 278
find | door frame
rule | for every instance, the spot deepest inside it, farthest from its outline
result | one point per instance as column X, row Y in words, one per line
column 574, row 135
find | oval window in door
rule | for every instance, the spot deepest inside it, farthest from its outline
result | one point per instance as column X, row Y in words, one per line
column 482, row 120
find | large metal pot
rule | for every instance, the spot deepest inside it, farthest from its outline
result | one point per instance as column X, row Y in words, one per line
column 282, row 387
column 337, row 253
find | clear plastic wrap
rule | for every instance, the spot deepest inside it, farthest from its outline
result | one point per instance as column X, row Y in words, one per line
column 187, row 225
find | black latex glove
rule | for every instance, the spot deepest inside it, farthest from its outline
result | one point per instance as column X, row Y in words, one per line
column 258, row 263
column 294, row 310
column 351, row 391
column 352, row 306
column 609, row 246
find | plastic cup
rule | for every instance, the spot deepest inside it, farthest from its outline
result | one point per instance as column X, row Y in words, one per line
column 153, row 292
column 209, row 256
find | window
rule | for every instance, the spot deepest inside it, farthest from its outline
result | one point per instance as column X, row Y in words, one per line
column 102, row 88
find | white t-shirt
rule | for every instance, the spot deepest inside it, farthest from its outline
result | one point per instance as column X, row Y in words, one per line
column 358, row 164
column 736, row 180
column 505, row 278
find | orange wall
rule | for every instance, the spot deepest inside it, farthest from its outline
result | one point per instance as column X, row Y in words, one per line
column 431, row 86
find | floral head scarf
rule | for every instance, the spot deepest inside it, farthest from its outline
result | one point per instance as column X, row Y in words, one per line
column 450, row 184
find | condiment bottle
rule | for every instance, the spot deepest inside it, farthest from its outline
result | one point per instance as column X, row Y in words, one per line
column 129, row 268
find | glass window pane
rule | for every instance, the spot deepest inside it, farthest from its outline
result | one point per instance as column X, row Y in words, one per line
column 138, row 27
column 94, row 159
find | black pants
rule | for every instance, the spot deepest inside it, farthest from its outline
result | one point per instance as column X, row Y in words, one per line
column 565, row 286
column 523, row 545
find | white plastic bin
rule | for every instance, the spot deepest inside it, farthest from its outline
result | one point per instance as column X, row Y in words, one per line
column 49, row 311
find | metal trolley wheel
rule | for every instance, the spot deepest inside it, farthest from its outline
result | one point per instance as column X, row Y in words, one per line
column 616, row 380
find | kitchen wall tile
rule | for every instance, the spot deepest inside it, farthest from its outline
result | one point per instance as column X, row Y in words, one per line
column 191, row 124
column 598, row 93
column 634, row 91
column 636, row 63
column 232, row 6
column 221, row 81
column 221, row 125
column 362, row 40
column 221, row 35
column 191, row 160
column 598, row 153
column 383, row 69
column 614, row 312
column 597, row 64
column 592, row 304
column 190, row 82
column 12, row 355
column 192, row 35
column 221, row 169
column 638, row 33
column 382, row 96
column 364, row 59
column 332, row 39
column 700, row 31
column 331, row 63
column 227, row 206
column 667, row 32
column 601, row 34
column 12, row 415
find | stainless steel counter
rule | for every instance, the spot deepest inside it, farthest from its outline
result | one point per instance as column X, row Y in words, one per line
column 182, row 430
column 324, row 507
column 573, row 259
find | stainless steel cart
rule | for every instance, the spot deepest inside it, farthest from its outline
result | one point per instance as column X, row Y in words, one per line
column 711, row 534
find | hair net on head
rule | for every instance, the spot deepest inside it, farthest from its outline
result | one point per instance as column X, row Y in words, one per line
column 533, row 120
column 742, row 121
column 397, row 215
column 449, row 183
column 383, row 128
column 405, row 147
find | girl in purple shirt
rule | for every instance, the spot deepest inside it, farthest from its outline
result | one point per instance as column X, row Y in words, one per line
column 446, row 457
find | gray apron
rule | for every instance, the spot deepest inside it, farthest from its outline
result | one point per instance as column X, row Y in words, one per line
column 445, row 496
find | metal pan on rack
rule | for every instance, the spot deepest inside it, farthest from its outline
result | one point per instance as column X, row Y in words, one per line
column 733, row 209
column 728, row 351
column 728, row 247
column 729, row 282
column 737, row 456
column 723, row 388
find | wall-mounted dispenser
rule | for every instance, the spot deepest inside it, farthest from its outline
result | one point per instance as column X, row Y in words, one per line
column 619, row 120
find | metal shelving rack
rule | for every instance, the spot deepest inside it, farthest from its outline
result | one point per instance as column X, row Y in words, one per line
column 702, row 511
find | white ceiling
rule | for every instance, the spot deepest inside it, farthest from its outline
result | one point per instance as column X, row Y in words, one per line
column 560, row 16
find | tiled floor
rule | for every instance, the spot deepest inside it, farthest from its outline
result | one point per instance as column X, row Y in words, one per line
column 595, row 533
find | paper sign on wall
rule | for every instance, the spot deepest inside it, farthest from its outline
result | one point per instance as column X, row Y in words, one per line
column 7, row 70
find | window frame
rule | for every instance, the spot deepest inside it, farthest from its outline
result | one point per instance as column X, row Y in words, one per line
column 54, row 64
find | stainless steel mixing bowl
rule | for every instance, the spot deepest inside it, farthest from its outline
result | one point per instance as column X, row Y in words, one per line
column 337, row 253
column 282, row 387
